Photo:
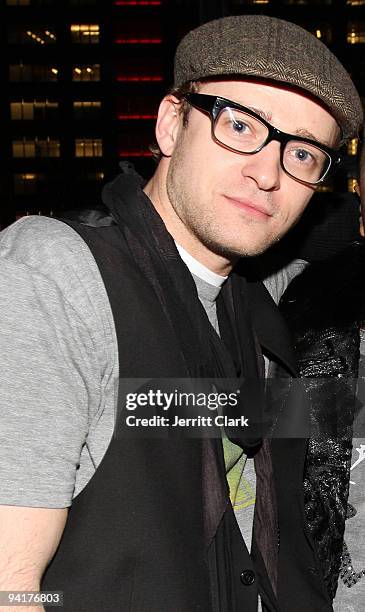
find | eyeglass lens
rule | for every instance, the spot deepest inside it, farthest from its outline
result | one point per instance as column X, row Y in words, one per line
column 244, row 133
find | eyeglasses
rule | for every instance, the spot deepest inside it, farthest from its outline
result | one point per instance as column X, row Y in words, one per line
column 241, row 130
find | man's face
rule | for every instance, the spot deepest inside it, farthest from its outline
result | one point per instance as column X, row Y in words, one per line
column 231, row 203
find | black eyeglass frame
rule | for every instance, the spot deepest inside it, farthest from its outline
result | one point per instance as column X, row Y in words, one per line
column 214, row 105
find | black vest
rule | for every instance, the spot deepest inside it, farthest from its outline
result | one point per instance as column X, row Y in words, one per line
column 134, row 538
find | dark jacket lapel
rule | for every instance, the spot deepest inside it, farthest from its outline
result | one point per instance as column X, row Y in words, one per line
column 271, row 329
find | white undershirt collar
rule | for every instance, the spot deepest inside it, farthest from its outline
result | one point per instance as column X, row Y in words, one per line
column 199, row 269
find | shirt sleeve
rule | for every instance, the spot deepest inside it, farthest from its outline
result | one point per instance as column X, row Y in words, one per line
column 47, row 377
column 278, row 282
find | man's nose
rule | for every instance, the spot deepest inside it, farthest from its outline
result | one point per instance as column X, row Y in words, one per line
column 264, row 167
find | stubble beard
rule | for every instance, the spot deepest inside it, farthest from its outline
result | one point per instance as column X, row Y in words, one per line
column 202, row 223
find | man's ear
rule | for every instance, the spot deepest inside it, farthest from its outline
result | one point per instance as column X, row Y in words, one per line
column 167, row 125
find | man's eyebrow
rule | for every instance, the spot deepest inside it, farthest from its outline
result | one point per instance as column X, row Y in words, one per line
column 299, row 131
column 303, row 132
column 261, row 113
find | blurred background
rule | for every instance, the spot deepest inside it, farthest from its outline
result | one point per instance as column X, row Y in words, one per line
column 81, row 81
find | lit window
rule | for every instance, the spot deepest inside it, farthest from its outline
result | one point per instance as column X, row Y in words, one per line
column 45, row 109
column 251, row 2
column 27, row 184
column 306, row 2
column 90, row 177
column 87, row 109
column 325, row 188
column 356, row 32
column 356, row 2
column 37, row 109
column 85, row 34
column 351, row 184
column 86, row 73
column 50, row 148
column 19, row 35
column 239, row 2
column 352, row 146
column 36, row 147
column 323, row 32
column 16, row 109
column 23, row 148
column 95, row 176
column 27, row 73
column 22, row 110
column 88, row 147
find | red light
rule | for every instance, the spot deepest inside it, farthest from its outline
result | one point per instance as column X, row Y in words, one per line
column 135, row 154
column 134, row 3
column 121, row 117
column 138, row 41
column 140, row 78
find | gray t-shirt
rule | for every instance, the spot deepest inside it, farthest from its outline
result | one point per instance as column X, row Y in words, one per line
column 58, row 397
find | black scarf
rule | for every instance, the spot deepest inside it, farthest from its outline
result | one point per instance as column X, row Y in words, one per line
column 205, row 354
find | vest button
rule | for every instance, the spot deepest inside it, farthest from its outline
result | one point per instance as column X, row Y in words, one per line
column 247, row 577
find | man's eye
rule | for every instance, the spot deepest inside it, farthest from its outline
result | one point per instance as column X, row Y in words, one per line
column 240, row 127
column 236, row 123
column 303, row 156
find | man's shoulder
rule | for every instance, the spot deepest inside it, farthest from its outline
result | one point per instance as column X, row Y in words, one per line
column 33, row 236
column 49, row 249
column 53, row 249
column 278, row 281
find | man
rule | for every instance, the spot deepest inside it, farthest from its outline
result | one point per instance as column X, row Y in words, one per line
column 254, row 124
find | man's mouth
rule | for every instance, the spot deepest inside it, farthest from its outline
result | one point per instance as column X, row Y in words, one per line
column 256, row 209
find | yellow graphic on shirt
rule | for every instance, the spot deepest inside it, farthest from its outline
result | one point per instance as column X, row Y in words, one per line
column 241, row 493
column 245, row 495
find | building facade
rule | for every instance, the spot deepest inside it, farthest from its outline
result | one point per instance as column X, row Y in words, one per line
column 81, row 82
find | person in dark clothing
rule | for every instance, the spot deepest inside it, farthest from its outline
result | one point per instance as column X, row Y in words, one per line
column 325, row 309
column 121, row 513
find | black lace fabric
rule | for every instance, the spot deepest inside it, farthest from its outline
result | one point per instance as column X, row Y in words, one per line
column 331, row 386
column 348, row 574
column 324, row 308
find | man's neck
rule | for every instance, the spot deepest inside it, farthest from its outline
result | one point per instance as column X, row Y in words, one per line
column 199, row 270
column 156, row 191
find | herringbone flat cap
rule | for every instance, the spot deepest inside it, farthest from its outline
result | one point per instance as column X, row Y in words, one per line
column 269, row 48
